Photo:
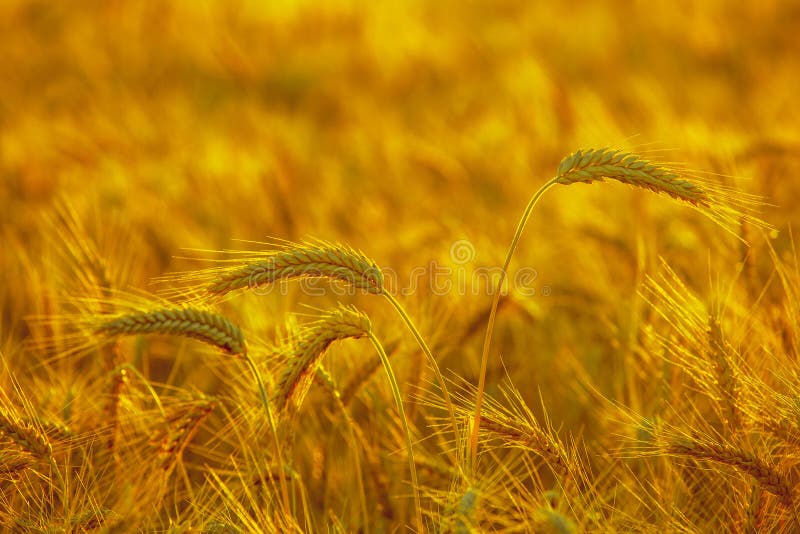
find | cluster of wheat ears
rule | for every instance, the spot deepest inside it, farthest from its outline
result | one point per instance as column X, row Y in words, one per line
column 472, row 427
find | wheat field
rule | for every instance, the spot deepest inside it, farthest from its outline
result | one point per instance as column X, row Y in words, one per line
column 452, row 267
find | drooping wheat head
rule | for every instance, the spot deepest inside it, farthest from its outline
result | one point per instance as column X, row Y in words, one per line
column 192, row 322
column 763, row 472
column 290, row 261
column 723, row 205
column 26, row 436
column 306, row 351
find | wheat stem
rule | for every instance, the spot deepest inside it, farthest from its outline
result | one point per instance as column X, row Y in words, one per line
column 398, row 399
column 272, row 426
column 473, row 441
column 429, row 355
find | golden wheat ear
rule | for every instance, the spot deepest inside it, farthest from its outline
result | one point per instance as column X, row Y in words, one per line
column 725, row 206
column 306, row 352
column 287, row 261
column 196, row 323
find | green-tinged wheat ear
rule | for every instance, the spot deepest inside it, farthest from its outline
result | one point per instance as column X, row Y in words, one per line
column 767, row 475
column 203, row 325
column 549, row 521
column 26, row 436
column 598, row 164
column 307, row 350
column 465, row 511
column 314, row 259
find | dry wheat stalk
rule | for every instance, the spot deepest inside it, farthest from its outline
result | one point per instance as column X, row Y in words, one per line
column 25, row 436
column 766, row 475
column 203, row 325
column 307, row 350
column 310, row 259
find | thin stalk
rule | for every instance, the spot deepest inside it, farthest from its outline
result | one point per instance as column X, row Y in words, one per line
column 473, row 440
column 273, row 427
column 431, row 360
column 398, row 398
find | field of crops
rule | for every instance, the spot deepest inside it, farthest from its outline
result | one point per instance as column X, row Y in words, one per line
column 421, row 266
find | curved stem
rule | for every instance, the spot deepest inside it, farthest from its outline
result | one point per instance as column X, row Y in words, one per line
column 473, row 440
column 431, row 361
column 398, row 399
column 273, row 427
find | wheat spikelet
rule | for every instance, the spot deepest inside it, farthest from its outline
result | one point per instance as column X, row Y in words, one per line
column 766, row 475
column 307, row 350
column 309, row 259
column 515, row 426
column 203, row 325
column 12, row 463
column 25, row 436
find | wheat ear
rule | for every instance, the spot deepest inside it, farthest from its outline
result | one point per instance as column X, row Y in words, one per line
column 203, row 325
column 310, row 259
column 308, row 349
column 722, row 205
column 183, row 425
column 768, row 477
column 26, row 436
column 598, row 164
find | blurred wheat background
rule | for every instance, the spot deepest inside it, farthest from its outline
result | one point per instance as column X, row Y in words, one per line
column 646, row 381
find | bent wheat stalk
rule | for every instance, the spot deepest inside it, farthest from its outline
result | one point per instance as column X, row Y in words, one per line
column 722, row 205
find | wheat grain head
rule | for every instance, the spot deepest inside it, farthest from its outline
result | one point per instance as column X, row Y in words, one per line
column 306, row 351
column 723, row 205
column 192, row 322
